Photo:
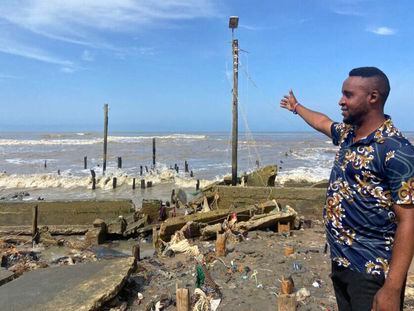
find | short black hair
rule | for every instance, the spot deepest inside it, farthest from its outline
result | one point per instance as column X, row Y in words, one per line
column 382, row 83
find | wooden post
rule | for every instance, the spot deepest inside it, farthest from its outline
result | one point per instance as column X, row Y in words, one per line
column 153, row 152
column 286, row 302
column 186, row 166
column 85, row 163
column 140, row 170
column 221, row 245
column 133, row 183
column 58, row 172
column 183, row 299
column 114, row 183
column 119, row 162
column 35, row 231
column 198, row 185
column 172, row 197
column 191, row 174
column 105, row 147
column 146, row 168
column 149, row 184
column 45, row 165
column 136, row 252
column 283, row 226
column 286, row 285
column 142, row 183
column 155, row 238
column 93, row 179
column 235, row 46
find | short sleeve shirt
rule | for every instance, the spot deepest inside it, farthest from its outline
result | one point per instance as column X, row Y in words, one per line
column 369, row 176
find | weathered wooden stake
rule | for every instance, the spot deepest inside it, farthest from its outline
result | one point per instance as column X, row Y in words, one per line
column 235, row 46
column 177, row 169
column 35, row 231
column 155, row 238
column 146, row 168
column 149, row 184
column 114, row 182
column 287, row 285
column 105, row 147
column 198, row 185
column 58, row 172
column 85, row 163
column 133, row 183
column 186, row 166
column 172, row 197
column 136, row 252
column 140, row 170
column 153, row 152
column 191, row 174
column 221, row 245
column 183, row 299
column 45, row 165
column 286, row 302
column 119, row 162
column 93, row 174
column 142, row 183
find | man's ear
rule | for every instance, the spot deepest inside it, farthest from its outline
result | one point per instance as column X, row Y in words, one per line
column 374, row 97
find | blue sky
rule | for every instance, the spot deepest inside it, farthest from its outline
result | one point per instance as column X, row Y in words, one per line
column 166, row 65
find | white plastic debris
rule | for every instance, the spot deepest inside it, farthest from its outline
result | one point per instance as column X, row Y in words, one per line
column 302, row 294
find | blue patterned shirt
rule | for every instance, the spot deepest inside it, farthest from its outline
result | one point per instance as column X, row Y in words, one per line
column 368, row 177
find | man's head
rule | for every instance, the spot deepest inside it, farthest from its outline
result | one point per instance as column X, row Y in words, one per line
column 364, row 92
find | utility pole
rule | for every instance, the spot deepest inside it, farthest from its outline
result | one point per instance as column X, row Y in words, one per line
column 233, row 23
column 105, row 147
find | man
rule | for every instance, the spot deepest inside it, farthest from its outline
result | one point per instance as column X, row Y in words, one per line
column 368, row 215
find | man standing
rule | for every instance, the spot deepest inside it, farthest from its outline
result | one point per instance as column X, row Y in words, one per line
column 369, row 214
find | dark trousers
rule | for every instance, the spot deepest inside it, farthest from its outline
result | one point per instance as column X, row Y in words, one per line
column 355, row 291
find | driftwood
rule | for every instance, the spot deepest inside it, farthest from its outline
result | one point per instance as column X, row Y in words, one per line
column 266, row 220
column 210, row 231
column 171, row 225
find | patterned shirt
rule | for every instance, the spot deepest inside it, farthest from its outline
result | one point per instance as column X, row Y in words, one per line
column 369, row 176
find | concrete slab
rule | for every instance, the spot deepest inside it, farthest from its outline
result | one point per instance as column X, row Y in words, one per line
column 79, row 287
column 5, row 276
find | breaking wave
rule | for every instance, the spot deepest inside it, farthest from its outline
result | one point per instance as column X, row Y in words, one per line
column 308, row 174
column 68, row 181
column 92, row 141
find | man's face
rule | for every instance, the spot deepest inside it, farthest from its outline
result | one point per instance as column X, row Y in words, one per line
column 355, row 99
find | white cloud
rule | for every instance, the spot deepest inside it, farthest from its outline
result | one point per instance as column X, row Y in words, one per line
column 349, row 7
column 383, row 31
column 67, row 69
column 78, row 21
column 7, row 76
column 87, row 56
column 9, row 46
column 89, row 23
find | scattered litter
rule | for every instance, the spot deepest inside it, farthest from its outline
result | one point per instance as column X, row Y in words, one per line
column 302, row 294
column 317, row 284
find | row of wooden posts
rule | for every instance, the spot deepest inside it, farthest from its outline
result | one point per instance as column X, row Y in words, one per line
column 141, row 168
column 144, row 185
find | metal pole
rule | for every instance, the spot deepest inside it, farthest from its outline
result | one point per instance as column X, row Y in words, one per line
column 235, row 46
column 105, row 148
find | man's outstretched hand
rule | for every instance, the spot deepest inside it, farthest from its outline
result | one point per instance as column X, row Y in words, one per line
column 289, row 102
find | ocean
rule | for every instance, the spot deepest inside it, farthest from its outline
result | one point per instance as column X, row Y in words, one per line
column 300, row 156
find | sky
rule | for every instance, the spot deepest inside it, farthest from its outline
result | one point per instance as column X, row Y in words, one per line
column 166, row 65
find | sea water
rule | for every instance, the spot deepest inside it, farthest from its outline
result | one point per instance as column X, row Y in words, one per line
column 299, row 156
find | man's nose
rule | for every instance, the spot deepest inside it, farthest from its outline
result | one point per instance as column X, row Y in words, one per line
column 341, row 101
